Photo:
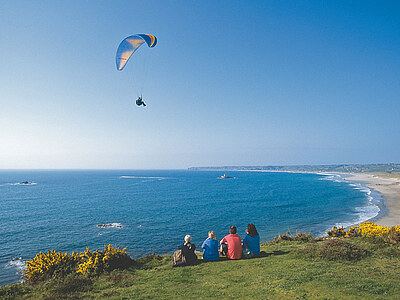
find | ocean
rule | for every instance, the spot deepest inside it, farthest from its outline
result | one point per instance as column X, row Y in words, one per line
column 152, row 210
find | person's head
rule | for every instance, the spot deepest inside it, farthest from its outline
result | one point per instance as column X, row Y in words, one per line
column 211, row 235
column 251, row 230
column 188, row 239
column 232, row 229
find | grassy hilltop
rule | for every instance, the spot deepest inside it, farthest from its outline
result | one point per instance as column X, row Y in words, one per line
column 333, row 268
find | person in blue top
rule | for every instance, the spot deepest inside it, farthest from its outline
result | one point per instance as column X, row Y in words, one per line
column 210, row 246
column 251, row 242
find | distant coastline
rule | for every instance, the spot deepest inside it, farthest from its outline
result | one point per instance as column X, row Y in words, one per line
column 392, row 168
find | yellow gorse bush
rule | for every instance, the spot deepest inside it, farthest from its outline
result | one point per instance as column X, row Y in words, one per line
column 366, row 229
column 95, row 262
column 44, row 265
column 52, row 263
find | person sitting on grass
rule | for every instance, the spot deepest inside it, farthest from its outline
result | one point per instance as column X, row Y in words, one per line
column 188, row 251
column 231, row 245
column 251, row 242
column 210, row 246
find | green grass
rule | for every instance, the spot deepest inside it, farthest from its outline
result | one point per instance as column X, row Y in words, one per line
column 288, row 270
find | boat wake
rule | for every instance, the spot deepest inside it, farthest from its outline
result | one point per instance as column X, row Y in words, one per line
column 19, row 183
column 110, row 225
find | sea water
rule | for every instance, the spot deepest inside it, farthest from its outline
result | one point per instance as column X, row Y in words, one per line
column 152, row 211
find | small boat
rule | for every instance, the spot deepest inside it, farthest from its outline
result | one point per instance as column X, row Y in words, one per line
column 224, row 177
column 26, row 182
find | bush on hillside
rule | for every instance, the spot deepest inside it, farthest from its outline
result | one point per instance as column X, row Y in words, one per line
column 336, row 232
column 301, row 237
column 368, row 230
column 72, row 283
column 46, row 265
column 393, row 236
column 14, row 291
column 333, row 249
column 97, row 262
column 340, row 250
column 89, row 263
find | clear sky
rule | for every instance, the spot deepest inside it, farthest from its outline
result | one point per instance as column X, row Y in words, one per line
column 229, row 83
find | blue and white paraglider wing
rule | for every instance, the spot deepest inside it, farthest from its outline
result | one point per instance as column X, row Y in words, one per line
column 129, row 45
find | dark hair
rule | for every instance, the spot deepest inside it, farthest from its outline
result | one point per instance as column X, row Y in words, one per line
column 252, row 230
column 232, row 229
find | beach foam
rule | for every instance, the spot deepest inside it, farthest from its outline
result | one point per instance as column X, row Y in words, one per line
column 364, row 213
column 332, row 177
column 18, row 264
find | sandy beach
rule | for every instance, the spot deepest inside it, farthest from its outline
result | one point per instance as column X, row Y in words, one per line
column 389, row 186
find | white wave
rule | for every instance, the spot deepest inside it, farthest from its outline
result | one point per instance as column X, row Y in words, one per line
column 334, row 177
column 362, row 214
column 367, row 191
column 367, row 212
column 329, row 174
column 327, row 178
column 361, row 188
column 18, row 264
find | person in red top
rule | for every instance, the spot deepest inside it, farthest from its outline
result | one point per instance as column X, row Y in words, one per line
column 234, row 244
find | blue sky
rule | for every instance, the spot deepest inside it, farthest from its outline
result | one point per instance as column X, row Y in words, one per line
column 229, row 83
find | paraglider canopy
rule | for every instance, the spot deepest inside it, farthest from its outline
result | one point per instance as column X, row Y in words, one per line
column 129, row 45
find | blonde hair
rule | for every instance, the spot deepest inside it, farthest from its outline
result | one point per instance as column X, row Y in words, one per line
column 188, row 239
column 211, row 235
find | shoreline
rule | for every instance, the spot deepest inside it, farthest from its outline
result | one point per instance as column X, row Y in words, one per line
column 385, row 184
column 388, row 185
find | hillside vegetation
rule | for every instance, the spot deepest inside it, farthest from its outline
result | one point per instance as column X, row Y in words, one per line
column 364, row 264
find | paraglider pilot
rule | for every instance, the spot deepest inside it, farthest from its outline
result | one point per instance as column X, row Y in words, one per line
column 139, row 101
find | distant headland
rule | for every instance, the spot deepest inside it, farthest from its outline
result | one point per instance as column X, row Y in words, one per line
column 347, row 168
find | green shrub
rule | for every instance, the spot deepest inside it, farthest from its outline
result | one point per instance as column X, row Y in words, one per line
column 337, row 232
column 393, row 236
column 152, row 260
column 309, row 250
column 300, row 237
column 14, row 291
column 340, row 250
column 71, row 283
column 304, row 237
